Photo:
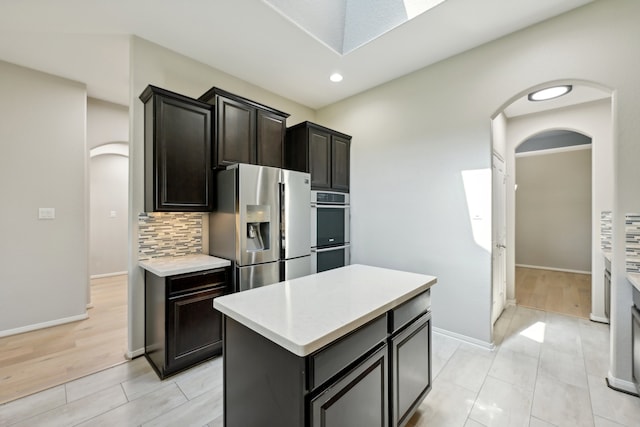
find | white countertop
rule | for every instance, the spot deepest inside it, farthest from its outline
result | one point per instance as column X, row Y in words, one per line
column 169, row 266
column 305, row 314
column 634, row 278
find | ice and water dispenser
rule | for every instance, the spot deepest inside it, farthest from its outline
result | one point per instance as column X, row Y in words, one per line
column 258, row 220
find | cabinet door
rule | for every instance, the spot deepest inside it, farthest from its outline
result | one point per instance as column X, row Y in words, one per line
column 271, row 130
column 410, row 369
column 235, row 132
column 320, row 159
column 182, row 157
column 340, row 163
column 358, row 399
column 194, row 328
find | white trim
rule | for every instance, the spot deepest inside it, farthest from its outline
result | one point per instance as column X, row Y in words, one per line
column 598, row 319
column 43, row 325
column 90, row 305
column 510, row 303
column 623, row 385
column 554, row 150
column 566, row 270
column 117, row 273
column 133, row 354
column 473, row 341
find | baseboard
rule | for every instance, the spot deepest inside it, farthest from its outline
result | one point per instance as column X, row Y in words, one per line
column 598, row 319
column 565, row 270
column 133, row 354
column 100, row 276
column 621, row 385
column 43, row 325
column 473, row 341
column 510, row 303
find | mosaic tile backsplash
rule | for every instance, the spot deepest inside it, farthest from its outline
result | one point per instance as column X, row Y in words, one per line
column 169, row 234
column 605, row 231
column 632, row 231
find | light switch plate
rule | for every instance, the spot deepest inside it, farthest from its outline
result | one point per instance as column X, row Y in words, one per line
column 46, row 213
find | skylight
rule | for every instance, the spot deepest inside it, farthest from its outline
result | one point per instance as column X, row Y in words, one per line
column 345, row 25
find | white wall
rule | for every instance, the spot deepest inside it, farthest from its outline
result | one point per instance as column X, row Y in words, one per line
column 109, row 195
column 414, row 136
column 553, row 210
column 106, row 123
column 44, row 263
column 595, row 120
column 152, row 64
column 107, row 138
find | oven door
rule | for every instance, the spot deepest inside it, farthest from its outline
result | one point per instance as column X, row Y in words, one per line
column 329, row 225
column 323, row 259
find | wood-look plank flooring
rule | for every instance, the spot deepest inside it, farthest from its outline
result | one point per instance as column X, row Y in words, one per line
column 554, row 291
column 37, row 360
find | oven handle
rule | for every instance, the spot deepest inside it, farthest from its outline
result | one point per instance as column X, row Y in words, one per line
column 315, row 205
column 332, row 248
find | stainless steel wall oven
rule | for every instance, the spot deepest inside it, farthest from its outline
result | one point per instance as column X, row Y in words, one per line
column 330, row 230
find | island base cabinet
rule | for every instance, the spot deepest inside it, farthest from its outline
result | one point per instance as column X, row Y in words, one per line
column 359, row 398
column 411, row 369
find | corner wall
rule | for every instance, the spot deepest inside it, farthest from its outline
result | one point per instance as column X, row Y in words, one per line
column 44, row 263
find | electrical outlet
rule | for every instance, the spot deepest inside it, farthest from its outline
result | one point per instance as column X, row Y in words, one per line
column 46, row 213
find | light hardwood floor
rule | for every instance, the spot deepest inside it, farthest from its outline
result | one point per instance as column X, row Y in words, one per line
column 37, row 360
column 554, row 291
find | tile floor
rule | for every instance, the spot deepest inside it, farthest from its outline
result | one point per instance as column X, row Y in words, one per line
column 547, row 370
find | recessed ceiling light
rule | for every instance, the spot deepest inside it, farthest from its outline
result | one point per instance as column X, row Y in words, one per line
column 335, row 77
column 549, row 93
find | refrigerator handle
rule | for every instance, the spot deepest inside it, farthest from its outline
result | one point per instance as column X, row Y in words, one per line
column 282, row 220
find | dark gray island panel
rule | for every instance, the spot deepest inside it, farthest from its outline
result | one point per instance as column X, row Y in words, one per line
column 264, row 384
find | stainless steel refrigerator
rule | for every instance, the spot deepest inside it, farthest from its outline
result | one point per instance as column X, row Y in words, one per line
column 261, row 223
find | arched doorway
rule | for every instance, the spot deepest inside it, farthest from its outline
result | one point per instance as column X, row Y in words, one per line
column 586, row 110
column 553, row 244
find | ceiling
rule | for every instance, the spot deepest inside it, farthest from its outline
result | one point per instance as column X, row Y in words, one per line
column 87, row 41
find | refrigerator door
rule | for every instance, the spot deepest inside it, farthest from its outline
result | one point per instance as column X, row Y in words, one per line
column 296, row 214
column 254, row 276
column 296, row 267
column 258, row 226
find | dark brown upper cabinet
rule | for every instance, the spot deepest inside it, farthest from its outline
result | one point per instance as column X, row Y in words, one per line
column 322, row 152
column 246, row 131
column 177, row 152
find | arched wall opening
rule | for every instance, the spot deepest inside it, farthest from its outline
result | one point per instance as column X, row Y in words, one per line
column 591, row 117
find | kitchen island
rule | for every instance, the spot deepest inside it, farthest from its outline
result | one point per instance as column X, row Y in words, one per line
column 345, row 347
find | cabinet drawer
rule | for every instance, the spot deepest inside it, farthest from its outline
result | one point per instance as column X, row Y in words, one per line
column 359, row 398
column 410, row 310
column 190, row 282
column 329, row 361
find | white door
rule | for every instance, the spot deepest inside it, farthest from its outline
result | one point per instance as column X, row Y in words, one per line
column 499, row 238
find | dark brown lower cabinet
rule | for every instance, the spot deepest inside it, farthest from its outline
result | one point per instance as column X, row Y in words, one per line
column 375, row 376
column 410, row 369
column 181, row 326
